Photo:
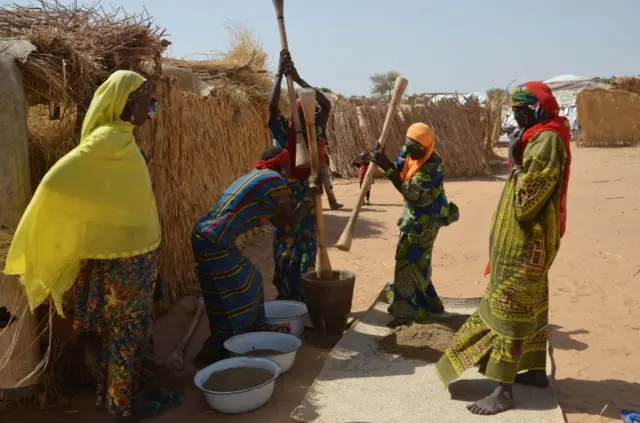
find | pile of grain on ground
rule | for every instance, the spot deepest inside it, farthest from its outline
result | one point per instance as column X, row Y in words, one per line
column 608, row 118
column 423, row 341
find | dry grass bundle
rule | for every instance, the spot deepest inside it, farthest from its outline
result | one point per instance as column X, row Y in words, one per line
column 608, row 118
column 49, row 139
column 6, row 236
column 78, row 46
column 240, row 72
column 462, row 131
column 627, row 83
column 197, row 147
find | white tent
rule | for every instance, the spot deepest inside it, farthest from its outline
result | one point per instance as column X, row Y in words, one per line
column 565, row 88
column 462, row 98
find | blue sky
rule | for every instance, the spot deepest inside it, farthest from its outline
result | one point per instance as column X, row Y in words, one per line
column 463, row 45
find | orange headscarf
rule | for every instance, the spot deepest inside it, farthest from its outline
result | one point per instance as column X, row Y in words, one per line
column 424, row 135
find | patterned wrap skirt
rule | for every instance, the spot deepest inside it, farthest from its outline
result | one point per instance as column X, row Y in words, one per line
column 232, row 290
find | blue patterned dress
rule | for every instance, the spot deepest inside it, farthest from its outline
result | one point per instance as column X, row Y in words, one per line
column 412, row 295
column 231, row 285
column 294, row 249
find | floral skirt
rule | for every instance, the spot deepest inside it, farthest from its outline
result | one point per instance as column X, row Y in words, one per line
column 114, row 298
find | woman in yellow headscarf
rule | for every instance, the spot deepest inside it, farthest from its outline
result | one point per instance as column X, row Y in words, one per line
column 418, row 175
column 93, row 219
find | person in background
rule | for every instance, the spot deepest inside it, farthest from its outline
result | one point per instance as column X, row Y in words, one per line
column 325, row 170
column 93, row 221
column 418, row 175
column 361, row 162
column 508, row 333
column 231, row 285
column 325, row 176
column 295, row 248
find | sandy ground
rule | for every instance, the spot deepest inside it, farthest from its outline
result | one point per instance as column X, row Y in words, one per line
column 593, row 286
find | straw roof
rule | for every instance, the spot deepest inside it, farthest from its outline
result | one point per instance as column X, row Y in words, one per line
column 78, row 47
column 241, row 71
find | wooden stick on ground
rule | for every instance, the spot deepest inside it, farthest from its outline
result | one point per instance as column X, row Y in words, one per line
column 175, row 362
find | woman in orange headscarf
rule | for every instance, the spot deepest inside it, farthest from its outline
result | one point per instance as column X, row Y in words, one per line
column 418, row 175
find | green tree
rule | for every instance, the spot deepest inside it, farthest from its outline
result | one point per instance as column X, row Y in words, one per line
column 382, row 83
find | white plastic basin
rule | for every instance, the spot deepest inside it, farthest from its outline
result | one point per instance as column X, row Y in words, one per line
column 239, row 401
column 247, row 342
column 286, row 316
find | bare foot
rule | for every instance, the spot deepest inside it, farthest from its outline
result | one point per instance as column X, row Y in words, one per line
column 500, row 400
column 533, row 378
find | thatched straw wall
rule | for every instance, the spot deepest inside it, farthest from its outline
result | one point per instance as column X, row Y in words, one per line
column 49, row 139
column 462, row 132
column 608, row 118
column 197, row 147
column 627, row 83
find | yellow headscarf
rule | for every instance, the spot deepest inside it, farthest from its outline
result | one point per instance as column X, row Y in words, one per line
column 94, row 203
column 424, row 135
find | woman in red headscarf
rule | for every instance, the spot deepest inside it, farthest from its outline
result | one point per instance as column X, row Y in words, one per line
column 508, row 333
column 231, row 285
column 295, row 248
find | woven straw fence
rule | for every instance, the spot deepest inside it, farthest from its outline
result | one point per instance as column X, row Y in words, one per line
column 627, row 83
column 463, row 133
column 608, row 118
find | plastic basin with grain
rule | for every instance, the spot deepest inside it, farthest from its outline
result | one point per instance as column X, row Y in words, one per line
column 238, row 401
column 285, row 316
column 243, row 345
